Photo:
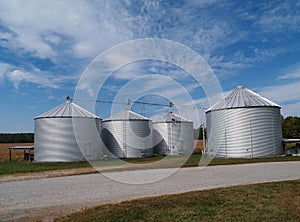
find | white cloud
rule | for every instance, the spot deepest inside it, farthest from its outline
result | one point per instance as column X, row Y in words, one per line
column 263, row 54
column 282, row 94
column 291, row 109
column 35, row 76
column 201, row 103
column 4, row 68
column 202, row 3
column 280, row 17
column 52, row 38
column 292, row 72
column 287, row 95
column 294, row 75
column 145, row 67
column 59, row 29
column 18, row 76
column 90, row 27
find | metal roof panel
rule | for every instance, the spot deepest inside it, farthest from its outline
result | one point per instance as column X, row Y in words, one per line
column 126, row 115
column 242, row 97
column 67, row 109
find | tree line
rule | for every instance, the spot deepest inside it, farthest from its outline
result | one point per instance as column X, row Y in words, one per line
column 16, row 137
column 290, row 128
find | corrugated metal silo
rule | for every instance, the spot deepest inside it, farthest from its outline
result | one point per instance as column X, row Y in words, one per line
column 56, row 131
column 172, row 135
column 245, row 125
column 128, row 135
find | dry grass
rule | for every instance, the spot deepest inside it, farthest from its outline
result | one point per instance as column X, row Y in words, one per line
column 260, row 202
column 16, row 154
column 198, row 146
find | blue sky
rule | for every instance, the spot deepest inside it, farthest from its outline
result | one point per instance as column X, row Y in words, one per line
column 45, row 46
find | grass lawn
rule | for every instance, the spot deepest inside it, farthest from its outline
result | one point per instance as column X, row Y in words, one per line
column 278, row 201
column 10, row 167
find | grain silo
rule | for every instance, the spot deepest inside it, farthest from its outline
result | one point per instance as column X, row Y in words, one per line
column 128, row 135
column 172, row 134
column 245, row 125
column 67, row 133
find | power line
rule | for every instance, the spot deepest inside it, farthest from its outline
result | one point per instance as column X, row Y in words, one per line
column 101, row 101
column 194, row 107
column 154, row 104
column 128, row 102
column 124, row 103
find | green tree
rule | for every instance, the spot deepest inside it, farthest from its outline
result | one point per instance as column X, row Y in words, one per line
column 291, row 127
column 198, row 133
column 16, row 137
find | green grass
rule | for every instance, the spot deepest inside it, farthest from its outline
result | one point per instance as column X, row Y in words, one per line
column 262, row 202
column 194, row 159
column 223, row 161
column 10, row 167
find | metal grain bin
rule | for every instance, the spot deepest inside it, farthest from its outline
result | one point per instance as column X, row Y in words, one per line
column 128, row 135
column 172, row 134
column 54, row 135
column 245, row 125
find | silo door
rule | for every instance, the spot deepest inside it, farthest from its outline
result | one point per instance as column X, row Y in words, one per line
column 180, row 147
column 87, row 149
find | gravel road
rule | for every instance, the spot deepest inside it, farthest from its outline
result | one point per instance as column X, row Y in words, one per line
column 45, row 199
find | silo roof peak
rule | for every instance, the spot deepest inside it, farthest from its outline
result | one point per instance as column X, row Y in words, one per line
column 67, row 109
column 242, row 97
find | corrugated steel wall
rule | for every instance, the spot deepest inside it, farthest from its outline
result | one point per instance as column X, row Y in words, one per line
column 128, row 138
column 160, row 138
column 55, row 141
column 244, row 132
column 173, row 138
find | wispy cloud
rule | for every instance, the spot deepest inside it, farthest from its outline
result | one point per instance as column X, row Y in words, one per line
column 282, row 94
column 35, row 76
column 62, row 29
column 59, row 31
column 145, row 67
column 294, row 75
column 281, row 16
column 291, row 109
column 292, row 72
column 40, row 26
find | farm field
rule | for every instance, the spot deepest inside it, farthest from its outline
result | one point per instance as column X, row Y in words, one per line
column 16, row 154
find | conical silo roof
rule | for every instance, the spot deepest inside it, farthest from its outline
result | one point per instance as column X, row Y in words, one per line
column 67, row 109
column 169, row 117
column 242, row 97
column 126, row 115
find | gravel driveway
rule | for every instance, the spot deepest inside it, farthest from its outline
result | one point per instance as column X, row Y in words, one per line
column 54, row 197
